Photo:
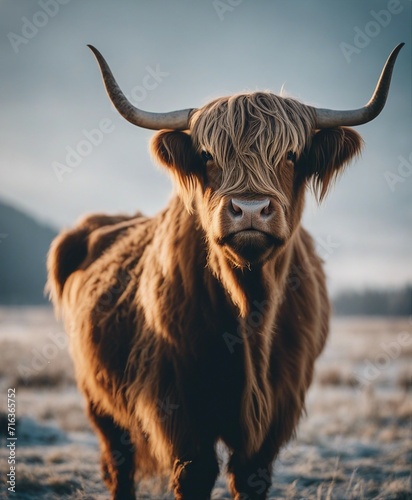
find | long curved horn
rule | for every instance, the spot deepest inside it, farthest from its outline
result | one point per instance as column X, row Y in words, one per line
column 328, row 118
column 174, row 120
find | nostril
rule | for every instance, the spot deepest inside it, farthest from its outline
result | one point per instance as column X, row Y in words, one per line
column 267, row 209
column 235, row 209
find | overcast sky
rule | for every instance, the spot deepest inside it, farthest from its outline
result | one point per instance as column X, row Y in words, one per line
column 328, row 53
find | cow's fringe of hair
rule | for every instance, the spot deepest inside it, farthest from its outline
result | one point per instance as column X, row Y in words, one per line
column 254, row 131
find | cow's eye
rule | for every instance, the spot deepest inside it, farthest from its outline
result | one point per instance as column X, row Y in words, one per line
column 206, row 156
column 291, row 156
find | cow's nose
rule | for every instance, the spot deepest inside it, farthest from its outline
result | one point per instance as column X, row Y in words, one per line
column 250, row 210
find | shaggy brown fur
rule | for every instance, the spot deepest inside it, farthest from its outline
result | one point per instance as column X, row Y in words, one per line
column 185, row 330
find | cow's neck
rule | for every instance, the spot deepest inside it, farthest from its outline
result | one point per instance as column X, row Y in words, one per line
column 253, row 297
column 249, row 288
column 182, row 250
column 256, row 294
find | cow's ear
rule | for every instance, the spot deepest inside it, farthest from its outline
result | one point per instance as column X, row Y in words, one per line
column 174, row 150
column 330, row 151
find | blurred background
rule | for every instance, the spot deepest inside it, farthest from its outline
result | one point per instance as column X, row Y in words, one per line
column 64, row 152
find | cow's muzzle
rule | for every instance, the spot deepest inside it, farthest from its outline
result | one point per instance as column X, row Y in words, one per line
column 251, row 229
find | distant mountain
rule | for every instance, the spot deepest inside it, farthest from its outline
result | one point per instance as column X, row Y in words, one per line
column 24, row 243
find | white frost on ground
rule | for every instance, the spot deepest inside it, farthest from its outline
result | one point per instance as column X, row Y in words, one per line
column 354, row 443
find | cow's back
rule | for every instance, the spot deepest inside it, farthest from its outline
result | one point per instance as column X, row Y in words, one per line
column 77, row 248
column 91, row 269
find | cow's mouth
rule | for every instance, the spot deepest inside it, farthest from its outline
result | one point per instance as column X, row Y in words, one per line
column 250, row 246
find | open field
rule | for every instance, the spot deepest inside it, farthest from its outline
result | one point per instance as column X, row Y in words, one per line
column 354, row 443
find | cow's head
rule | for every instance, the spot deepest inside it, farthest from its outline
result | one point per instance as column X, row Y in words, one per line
column 244, row 161
column 244, row 166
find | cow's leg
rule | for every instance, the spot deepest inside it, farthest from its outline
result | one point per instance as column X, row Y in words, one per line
column 194, row 475
column 250, row 480
column 117, row 459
